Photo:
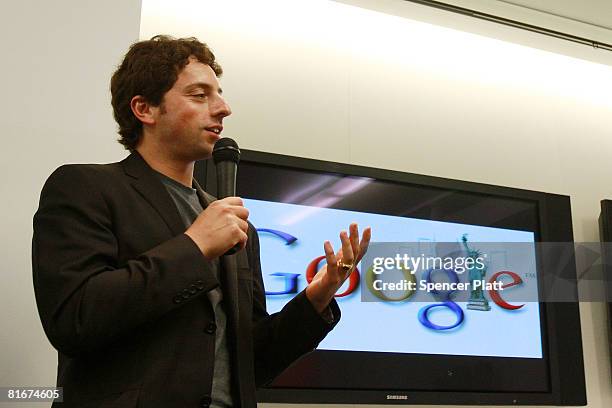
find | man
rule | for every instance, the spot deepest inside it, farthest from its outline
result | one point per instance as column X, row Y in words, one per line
column 129, row 276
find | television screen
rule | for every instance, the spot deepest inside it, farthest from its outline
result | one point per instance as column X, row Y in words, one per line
column 390, row 352
column 389, row 326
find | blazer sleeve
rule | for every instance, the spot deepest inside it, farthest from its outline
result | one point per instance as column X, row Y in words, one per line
column 85, row 298
column 281, row 338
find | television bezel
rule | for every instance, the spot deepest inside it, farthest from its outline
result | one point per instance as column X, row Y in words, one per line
column 605, row 235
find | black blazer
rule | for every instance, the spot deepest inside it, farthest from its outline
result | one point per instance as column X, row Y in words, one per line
column 121, row 295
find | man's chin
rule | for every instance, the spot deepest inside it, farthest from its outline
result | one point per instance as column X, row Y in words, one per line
column 202, row 156
column 204, row 152
column 197, row 153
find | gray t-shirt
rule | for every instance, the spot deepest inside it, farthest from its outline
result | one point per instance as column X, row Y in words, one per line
column 189, row 207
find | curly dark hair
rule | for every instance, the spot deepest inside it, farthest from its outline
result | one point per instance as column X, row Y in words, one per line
column 150, row 68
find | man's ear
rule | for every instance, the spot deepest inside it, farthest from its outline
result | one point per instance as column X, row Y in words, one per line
column 143, row 110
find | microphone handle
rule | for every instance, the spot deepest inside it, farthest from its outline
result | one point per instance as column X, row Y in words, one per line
column 226, row 179
column 226, row 187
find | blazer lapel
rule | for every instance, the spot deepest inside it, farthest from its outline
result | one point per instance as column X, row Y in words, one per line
column 151, row 188
column 205, row 198
column 229, row 265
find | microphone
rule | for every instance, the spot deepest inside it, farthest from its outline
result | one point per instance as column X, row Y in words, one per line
column 226, row 156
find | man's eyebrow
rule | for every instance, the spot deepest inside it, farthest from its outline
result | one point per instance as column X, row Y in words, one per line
column 203, row 85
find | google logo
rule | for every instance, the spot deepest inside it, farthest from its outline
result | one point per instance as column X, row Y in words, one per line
column 291, row 287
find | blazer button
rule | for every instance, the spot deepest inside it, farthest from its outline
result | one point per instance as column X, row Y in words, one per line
column 177, row 299
column 205, row 401
column 186, row 295
column 211, row 328
column 193, row 289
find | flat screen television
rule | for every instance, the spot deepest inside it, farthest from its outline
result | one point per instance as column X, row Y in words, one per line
column 605, row 235
column 384, row 354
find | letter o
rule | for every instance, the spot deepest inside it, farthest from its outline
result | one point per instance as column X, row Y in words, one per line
column 311, row 271
column 424, row 315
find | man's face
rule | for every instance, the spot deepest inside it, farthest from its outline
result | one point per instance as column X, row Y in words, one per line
column 189, row 119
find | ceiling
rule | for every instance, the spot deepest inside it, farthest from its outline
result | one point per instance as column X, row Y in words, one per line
column 594, row 12
column 587, row 19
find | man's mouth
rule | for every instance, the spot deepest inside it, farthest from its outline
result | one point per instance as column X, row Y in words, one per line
column 215, row 129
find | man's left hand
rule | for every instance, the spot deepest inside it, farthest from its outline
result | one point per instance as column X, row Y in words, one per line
column 330, row 278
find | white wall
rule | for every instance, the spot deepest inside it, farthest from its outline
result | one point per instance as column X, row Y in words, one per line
column 308, row 90
column 57, row 59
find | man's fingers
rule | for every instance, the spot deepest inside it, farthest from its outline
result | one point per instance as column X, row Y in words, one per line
column 352, row 249
column 330, row 256
column 243, row 240
column 347, row 249
column 365, row 241
column 230, row 201
column 354, row 238
column 244, row 226
column 240, row 212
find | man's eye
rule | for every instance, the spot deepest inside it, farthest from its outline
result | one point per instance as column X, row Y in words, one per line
column 201, row 95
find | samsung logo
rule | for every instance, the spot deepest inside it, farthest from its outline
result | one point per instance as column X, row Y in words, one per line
column 397, row 397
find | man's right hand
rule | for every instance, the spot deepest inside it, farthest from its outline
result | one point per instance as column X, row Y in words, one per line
column 220, row 227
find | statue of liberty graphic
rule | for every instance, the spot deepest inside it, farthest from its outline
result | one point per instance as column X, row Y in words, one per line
column 477, row 301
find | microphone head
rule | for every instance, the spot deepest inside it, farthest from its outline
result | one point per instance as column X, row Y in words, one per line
column 226, row 149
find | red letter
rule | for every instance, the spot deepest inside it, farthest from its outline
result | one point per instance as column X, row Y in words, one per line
column 311, row 271
column 516, row 280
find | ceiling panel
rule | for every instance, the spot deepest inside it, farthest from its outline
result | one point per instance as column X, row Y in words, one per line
column 595, row 12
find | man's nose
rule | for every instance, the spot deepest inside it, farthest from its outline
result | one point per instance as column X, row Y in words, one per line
column 220, row 108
